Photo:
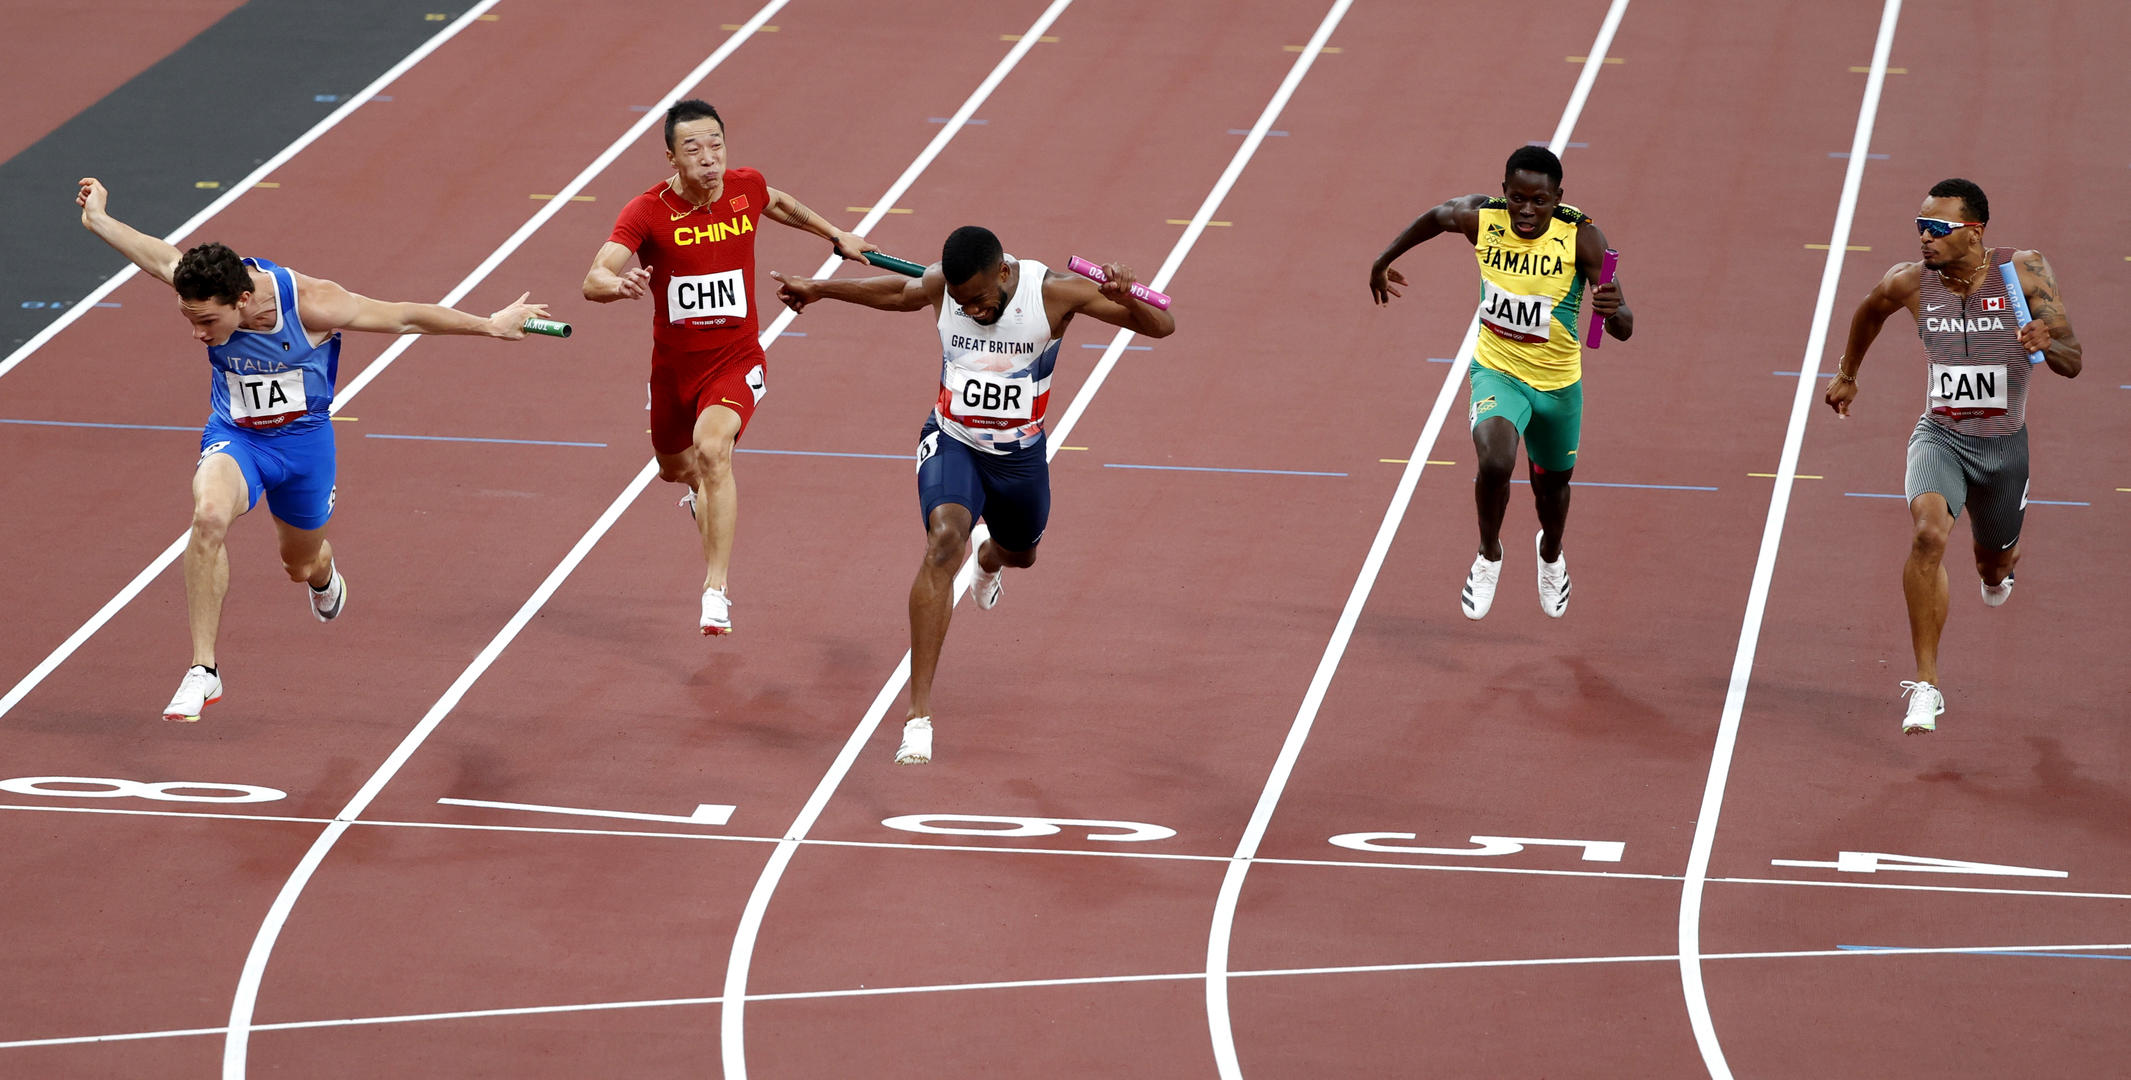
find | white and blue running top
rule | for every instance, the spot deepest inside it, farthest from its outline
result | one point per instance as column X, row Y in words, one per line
column 275, row 380
column 995, row 381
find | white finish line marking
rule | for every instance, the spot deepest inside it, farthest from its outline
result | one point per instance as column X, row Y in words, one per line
column 705, row 813
column 1001, row 849
column 1091, row 980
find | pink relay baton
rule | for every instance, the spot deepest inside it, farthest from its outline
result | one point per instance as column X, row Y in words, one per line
column 1597, row 333
column 1094, row 273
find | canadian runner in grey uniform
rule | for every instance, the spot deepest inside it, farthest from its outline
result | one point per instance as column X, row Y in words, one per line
column 1987, row 316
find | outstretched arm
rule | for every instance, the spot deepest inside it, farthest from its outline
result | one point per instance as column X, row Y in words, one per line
column 1461, row 214
column 326, row 306
column 1606, row 299
column 1886, row 298
column 147, row 252
column 612, row 279
column 890, row 292
column 1112, row 301
column 786, row 210
column 2050, row 331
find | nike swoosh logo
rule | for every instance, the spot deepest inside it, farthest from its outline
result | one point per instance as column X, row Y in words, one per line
column 1933, row 307
column 730, row 401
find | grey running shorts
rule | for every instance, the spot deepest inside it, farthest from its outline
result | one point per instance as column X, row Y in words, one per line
column 1987, row 474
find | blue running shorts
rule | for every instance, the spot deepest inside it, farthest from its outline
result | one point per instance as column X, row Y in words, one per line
column 1011, row 492
column 294, row 469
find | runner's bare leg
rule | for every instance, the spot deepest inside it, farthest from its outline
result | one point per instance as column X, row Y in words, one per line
column 219, row 496
column 932, row 598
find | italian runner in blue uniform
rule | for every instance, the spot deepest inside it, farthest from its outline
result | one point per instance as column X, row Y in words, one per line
column 273, row 342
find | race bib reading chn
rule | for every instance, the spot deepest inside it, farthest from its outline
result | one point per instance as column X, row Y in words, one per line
column 707, row 296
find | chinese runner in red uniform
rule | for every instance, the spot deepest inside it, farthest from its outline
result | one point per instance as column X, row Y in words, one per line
column 693, row 237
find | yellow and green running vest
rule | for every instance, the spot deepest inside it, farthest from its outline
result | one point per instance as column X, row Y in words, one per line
column 1530, row 298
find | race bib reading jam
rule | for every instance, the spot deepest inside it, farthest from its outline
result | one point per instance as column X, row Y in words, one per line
column 1968, row 389
column 989, row 396
column 1516, row 317
column 706, row 296
column 266, row 401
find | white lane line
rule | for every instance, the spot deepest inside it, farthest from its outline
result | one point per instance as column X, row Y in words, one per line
column 1742, row 668
column 731, row 1028
column 1219, row 1026
column 1038, row 984
column 732, row 1032
column 889, row 845
column 237, row 1040
column 480, row 273
column 237, row 191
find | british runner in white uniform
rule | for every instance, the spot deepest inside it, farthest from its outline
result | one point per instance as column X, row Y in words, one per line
column 981, row 453
column 273, row 342
column 1986, row 316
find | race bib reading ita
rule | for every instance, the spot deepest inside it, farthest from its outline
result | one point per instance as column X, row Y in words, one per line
column 988, row 395
column 265, row 401
column 1519, row 318
column 1968, row 389
column 707, row 296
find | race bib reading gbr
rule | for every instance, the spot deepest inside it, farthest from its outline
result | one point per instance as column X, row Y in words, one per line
column 706, row 296
column 1514, row 316
column 983, row 395
column 265, row 401
column 1964, row 390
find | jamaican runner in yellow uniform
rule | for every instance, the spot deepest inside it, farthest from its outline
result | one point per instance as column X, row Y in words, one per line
column 1538, row 259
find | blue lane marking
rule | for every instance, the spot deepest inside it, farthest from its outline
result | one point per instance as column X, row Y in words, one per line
column 1570, row 146
column 1442, row 359
column 1655, row 487
column 470, row 438
column 1988, row 952
column 819, row 453
column 2054, row 502
column 1246, row 131
column 2126, row 386
column 1134, row 348
column 325, row 97
column 1203, row 468
column 791, row 333
column 88, row 424
column 1874, row 495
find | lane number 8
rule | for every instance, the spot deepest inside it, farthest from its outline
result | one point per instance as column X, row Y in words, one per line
column 106, row 787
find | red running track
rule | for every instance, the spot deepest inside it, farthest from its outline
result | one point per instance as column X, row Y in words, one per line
column 1150, row 667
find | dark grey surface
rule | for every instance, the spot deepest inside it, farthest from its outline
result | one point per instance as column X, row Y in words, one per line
column 214, row 109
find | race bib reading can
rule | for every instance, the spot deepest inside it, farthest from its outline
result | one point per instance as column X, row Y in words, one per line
column 706, row 296
column 1516, row 317
column 1968, row 389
